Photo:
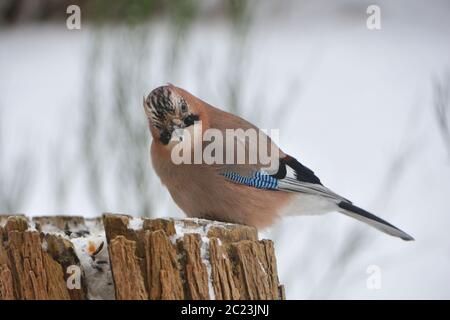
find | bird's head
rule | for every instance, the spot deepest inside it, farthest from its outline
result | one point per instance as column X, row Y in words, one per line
column 169, row 109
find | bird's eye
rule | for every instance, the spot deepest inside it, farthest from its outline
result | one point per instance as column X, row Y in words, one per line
column 184, row 108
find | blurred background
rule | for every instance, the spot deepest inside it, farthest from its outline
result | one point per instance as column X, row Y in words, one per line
column 367, row 110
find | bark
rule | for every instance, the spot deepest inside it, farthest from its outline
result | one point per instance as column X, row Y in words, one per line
column 156, row 259
column 27, row 271
column 192, row 259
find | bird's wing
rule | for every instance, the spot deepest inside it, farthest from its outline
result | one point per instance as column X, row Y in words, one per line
column 240, row 134
column 286, row 174
column 295, row 177
column 291, row 176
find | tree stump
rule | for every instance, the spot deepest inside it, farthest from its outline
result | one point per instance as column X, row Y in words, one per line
column 126, row 258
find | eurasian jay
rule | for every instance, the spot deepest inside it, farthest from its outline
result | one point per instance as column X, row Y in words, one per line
column 245, row 193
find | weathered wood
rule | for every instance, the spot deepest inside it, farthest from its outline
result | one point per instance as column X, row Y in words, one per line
column 34, row 261
column 194, row 259
column 195, row 270
column 27, row 271
column 62, row 251
column 127, row 274
column 70, row 239
column 6, row 278
column 162, row 268
column 222, row 273
column 255, row 274
column 66, row 224
column 134, row 258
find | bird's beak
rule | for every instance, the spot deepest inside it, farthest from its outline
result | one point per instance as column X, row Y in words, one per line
column 177, row 123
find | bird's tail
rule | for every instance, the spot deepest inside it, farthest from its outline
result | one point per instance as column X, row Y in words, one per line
column 372, row 220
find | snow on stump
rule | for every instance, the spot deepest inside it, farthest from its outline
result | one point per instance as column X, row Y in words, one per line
column 27, row 270
column 189, row 259
column 121, row 257
column 53, row 258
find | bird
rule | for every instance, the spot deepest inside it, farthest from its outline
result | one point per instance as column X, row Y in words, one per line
column 247, row 193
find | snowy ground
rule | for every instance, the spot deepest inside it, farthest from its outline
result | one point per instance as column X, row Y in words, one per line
column 365, row 96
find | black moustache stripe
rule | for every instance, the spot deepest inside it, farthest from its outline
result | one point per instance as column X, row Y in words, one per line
column 165, row 137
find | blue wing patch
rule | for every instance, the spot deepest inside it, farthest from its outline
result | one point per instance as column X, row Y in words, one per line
column 258, row 180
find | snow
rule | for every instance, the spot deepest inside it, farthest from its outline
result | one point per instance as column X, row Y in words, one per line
column 262, row 267
column 44, row 244
column 52, row 229
column 204, row 253
column 91, row 248
column 135, row 223
column 94, row 225
column 100, row 285
column 31, row 225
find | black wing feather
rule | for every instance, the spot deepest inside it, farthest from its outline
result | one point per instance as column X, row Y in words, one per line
column 302, row 173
